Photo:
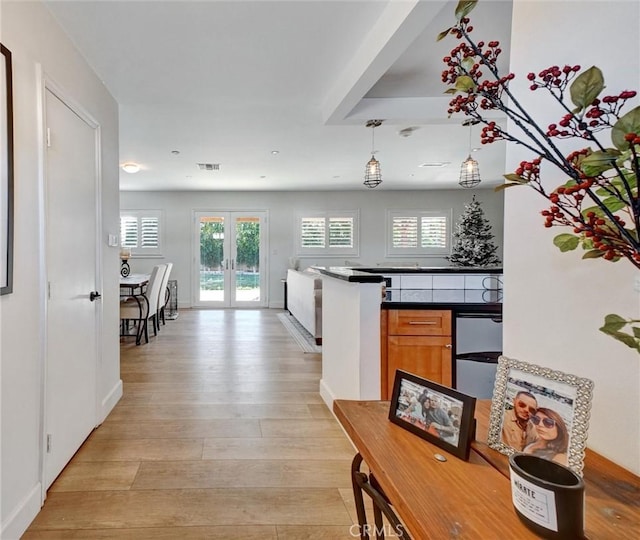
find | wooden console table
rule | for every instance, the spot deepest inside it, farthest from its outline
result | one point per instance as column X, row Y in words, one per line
column 458, row 499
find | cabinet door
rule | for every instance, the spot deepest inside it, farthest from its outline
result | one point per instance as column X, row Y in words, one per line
column 428, row 357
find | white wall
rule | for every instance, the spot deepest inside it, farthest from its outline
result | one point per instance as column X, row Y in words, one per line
column 33, row 37
column 282, row 208
column 554, row 302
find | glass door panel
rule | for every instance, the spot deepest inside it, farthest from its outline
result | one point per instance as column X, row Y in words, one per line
column 229, row 258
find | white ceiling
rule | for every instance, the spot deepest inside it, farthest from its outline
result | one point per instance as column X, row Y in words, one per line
column 229, row 82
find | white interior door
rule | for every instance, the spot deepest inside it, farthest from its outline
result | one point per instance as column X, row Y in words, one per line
column 230, row 257
column 72, row 274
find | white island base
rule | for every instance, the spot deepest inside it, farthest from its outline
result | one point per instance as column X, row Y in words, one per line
column 350, row 340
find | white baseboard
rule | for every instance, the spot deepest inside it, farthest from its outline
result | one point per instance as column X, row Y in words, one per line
column 326, row 394
column 109, row 402
column 22, row 516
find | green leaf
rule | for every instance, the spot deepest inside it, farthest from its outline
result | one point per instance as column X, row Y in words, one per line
column 587, row 243
column 627, row 339
column 613, row 323
column 636, row 331
column 598, row 162
column 443, row 34
column 468, row 62
column 512, row 177
column 464, row 83
column 614, row 204
column 629, row 123
column 587, row 87
column 593, row 254
column 505, row 186
column 464, row 7
column 450, row 91
column 566, row 242
column 595, row 209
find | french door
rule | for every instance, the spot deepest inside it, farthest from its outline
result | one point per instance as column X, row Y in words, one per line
column 230, row 259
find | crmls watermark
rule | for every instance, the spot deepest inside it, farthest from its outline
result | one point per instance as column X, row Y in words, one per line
column 375, row 532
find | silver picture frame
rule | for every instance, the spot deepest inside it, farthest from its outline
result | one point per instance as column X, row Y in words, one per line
column 545, row 391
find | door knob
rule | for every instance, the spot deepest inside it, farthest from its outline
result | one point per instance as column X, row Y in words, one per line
column 94, row 295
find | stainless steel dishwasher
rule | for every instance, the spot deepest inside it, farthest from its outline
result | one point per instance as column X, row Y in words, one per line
column 478, row 345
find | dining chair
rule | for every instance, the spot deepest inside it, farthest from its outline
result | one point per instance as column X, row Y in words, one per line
column 144, row 308
column 163, row 295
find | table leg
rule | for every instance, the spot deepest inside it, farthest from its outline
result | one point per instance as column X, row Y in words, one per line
column 361, row 482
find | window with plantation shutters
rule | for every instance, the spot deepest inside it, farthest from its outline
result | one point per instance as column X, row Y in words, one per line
column 328, row 233
column 140, row 230
column 418, row 233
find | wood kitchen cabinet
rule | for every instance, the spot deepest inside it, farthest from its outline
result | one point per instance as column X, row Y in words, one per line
column 416, row 341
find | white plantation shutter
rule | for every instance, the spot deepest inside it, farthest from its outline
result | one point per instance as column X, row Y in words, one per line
column 149, row 230
column 405, row 232
column 340, row 232
column 433, row 232
column 141, row 231
column 129, row 232
column 312, row 232
column 326, row 234
column 418, row 233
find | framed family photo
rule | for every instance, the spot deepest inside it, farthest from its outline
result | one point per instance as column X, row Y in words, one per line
column 6, row 172
column 536, row 410
column 439, row 414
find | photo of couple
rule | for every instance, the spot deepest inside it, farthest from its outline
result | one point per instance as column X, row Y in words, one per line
column 431, row 411
column 537, row 420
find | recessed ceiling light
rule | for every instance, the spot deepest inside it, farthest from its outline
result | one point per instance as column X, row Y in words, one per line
column 175, row 152
column 435, row 164
column 263, row 176
column 275, row 152
column 476, row 149
column 131, row 168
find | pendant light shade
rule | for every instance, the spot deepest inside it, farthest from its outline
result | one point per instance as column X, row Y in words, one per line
column 373, row 173
column 469, row 170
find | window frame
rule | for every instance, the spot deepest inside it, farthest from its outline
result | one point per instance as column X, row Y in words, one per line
column 145, row 252
column 417, row 251
column 327, row 250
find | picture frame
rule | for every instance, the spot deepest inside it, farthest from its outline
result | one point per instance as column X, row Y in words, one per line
column 6, row 172
column 556, row 406
column 419, row 405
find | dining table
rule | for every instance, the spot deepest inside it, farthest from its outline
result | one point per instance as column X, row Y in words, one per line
column 132, row 289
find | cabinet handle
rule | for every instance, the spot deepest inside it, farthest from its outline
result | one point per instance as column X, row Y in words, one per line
column 422, row 322
column 448, row 346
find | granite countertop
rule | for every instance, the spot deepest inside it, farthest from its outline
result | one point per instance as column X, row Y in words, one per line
column 374, row 275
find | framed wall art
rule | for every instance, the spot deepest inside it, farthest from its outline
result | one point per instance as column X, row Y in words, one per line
column 6, row 173
column 540, row 411
column 439, row 414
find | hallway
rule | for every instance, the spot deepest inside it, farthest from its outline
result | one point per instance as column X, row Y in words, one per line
column 221, row 434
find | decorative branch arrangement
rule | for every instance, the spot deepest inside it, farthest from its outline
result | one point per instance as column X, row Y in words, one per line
column 599, row 200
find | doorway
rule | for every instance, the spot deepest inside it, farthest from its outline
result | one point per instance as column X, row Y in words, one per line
column 230, row 259
column 72, row 273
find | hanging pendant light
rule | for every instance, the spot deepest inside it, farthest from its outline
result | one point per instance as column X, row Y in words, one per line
column 469, row 171
column 373, row 174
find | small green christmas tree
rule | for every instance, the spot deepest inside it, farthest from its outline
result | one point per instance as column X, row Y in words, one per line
column 473, row 240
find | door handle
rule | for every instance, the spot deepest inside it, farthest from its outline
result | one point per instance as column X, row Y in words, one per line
column 94, row 295
column 233, row 264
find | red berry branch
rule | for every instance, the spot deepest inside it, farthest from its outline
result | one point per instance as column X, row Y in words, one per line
column 598, row 202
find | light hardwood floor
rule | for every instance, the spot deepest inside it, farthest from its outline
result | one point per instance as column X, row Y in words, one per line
column 221, row 434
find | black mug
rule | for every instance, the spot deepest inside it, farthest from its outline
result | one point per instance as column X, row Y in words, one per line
column 548, row 497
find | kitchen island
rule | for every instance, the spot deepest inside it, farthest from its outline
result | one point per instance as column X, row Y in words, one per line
column 377, row 320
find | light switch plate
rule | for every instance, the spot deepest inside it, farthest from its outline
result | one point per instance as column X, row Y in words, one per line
column 113, row 240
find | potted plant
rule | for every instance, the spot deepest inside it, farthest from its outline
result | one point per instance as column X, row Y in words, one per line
column 598, row 203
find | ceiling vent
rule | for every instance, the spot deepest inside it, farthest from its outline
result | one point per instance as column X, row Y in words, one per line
column 209, row 166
